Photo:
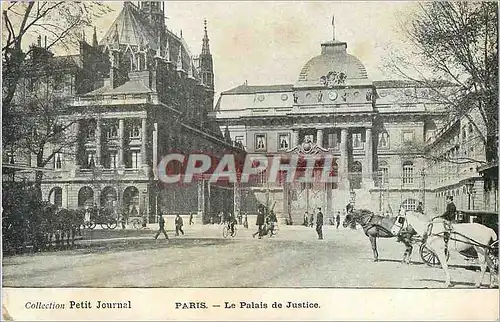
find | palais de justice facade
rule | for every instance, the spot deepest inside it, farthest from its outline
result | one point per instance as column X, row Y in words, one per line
column 366, row 125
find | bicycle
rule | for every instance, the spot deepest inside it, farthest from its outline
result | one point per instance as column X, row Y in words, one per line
column 226, row 231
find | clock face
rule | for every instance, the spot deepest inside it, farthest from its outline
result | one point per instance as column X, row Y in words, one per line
column 332, row 95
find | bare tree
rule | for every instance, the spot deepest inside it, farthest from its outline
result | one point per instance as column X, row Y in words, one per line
column 454, row 54
column 61, row 23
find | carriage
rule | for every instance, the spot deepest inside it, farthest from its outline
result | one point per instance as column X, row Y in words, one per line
column 100, row 216
column 488, row 219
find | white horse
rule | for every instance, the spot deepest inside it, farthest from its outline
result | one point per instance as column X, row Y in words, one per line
column 462, row 237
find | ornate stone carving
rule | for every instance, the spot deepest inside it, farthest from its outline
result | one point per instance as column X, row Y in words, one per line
column 309, row 148
column 333, row 78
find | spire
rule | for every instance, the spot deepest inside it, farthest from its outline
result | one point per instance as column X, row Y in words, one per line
column 158, row 48
column 333, row 27
column 205, row 49
column 94, row 38
column 167, row 51
column 179, row 59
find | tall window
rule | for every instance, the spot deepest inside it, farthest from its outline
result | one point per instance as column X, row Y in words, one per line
column 112, row 132
column 112, row 161
column 309, row 138
column 135, row 131
column 383, row 171
column 408, row 172
column 333, row 141
column 91, row 159
column 260, row 142
column 134, row 159
column 383, row 140
column 357, row 142
column 239, row 140
column 284, row 141
column 58, row 160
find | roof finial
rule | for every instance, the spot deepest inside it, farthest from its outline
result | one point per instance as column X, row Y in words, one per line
column 333, row 27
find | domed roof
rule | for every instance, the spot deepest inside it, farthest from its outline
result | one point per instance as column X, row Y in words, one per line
column 321, row 65
column 333, row 61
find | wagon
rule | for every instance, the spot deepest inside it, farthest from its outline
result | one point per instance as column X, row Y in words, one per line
column 100, row 216
column 488, row 219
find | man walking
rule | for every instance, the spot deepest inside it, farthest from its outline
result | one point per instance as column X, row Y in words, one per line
column 338, row 219
column 178, row 225
column 319, row 223
column 260, row 223
column 161, row 226
column 191, row 222
column 311, row 220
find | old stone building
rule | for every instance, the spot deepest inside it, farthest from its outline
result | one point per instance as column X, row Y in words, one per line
column 369, row 127
column 132, row 97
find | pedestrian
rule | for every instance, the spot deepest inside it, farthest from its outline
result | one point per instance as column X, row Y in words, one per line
column 240, row 218
column 420, row 208
column 319, row 223
column 191, row 222
column 122, row 220
column 245, row 222
column 311, row 220
column 306, row 216
column 260, row 223
column 338, row 219
column 178, row 225
column 161, row 226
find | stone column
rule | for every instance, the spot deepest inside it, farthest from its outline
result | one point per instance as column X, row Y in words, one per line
column 121, row 148
column 319, row 137
column 98, row 162
column 295, row 138
column 201, row 200
column 143, row 140
column 343, row 164
column 77, row 145
column 155, row 150
column 368, row 166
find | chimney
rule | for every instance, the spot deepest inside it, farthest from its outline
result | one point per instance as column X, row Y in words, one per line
column 45, row 42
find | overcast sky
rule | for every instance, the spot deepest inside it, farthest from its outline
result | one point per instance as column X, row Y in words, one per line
column 269, row 42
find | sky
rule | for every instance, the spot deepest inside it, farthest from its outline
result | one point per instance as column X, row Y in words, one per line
column 269, row 42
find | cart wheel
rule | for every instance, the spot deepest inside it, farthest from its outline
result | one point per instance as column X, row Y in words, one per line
column 235, row 230
column 104, row 226
column 91, row 224
column 225, row 232
column 112, row 225
column 492, row 258
column 429, row 257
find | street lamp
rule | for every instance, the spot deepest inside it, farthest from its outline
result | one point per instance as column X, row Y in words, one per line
column 423, row 174
column 470, row 190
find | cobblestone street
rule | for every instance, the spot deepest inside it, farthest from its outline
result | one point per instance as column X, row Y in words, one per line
column 202, row 258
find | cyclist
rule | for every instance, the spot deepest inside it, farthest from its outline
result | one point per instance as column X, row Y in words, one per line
column 231, row 221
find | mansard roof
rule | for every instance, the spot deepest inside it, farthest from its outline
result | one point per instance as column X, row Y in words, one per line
column 246, row 89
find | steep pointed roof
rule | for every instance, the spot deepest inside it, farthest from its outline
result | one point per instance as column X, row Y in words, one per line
column 205, row 48
column 130, row 28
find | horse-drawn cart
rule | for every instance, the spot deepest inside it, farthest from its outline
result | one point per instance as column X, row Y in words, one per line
column 488, row 219
column 100, row 216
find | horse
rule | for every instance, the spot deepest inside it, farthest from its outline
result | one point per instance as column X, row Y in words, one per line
column 379, row 226
column 462, row 237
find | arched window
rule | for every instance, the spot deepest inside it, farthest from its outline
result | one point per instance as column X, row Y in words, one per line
column 409, row 204
column 408, row 172
column 55, row 196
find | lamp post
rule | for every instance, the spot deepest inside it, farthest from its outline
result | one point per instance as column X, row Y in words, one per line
column 381, row 184
column 423, row 174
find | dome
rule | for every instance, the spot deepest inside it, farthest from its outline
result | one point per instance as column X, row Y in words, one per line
column 334, row 60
